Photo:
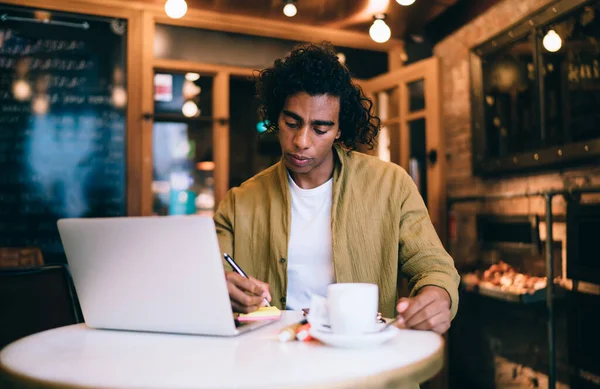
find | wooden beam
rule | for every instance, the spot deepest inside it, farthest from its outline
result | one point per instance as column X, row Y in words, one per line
column 134, row 116
column 147, row 104
column 404, row 127
column 199, row 67
column 408, row 74
column 249, row 25
column 435, row 136
column 420, row 114
column 221, row 136
column 390, row 121
column 396, row 57
column 219, row 21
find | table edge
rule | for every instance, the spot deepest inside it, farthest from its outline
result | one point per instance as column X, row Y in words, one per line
column 413, row 374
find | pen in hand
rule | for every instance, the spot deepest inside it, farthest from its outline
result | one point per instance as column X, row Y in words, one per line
column 239, row 270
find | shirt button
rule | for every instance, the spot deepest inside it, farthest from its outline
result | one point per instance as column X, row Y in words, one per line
column 282, row 260
column 283, row 300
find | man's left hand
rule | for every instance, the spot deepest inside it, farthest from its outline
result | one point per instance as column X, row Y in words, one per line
column 428, row 310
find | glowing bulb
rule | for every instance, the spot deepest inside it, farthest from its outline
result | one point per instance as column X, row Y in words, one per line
column 189, row 109
column 405, row 3
column 290, row 10
column 192, row 77
column 21, row 90
column 379, row 31
column 119, row 97
column 190, row 90
column 552, row 41
column 40, row 105
column 175, row 8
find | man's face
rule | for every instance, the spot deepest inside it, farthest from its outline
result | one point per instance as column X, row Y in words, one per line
column 308, row 127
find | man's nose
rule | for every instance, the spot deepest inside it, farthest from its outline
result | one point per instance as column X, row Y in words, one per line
column 302, row 138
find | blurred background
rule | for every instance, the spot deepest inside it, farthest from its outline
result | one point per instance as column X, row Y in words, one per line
column 147, row 108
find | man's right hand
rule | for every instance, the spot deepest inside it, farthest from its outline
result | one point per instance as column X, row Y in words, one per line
column 246, row 294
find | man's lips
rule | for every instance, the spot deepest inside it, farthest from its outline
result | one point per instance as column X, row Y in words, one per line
column 299, row 157
column 298, row 160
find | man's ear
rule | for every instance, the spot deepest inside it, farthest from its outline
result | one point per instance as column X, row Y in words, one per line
column 339, row 133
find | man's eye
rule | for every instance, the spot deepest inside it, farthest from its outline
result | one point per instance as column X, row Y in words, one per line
column 319, row 132
column 291, row 125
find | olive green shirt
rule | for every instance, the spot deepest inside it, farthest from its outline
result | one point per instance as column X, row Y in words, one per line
column 379, row 222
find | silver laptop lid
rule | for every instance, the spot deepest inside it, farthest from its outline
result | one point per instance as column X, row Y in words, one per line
column 161, row 274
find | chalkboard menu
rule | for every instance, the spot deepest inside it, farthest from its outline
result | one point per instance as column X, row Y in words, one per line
column 62, row 124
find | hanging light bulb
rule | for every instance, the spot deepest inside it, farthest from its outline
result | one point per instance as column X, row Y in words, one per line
column 192, row 77
column 552, row 41
column 290, row 9
column 175, row 8
column 379, row 31
column 189, row 109
column 405, row 3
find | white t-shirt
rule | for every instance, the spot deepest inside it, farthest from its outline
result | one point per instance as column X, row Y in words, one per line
column 310, row 253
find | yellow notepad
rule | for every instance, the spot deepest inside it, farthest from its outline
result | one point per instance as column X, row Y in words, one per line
column 264, row 313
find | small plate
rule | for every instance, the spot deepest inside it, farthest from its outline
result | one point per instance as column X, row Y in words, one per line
column 368, row 339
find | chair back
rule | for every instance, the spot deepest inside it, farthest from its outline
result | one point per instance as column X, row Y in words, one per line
column 36, row 299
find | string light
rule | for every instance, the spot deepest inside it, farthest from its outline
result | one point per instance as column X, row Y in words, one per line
column 552, row 41
column 189, row 109
column 175, row 9
column 379, row 31
column 290, row 9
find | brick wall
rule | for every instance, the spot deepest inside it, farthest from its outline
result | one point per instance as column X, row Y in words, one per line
column 456, row 108
column 454, row 54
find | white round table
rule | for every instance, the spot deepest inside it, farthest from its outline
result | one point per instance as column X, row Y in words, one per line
column 79, row 357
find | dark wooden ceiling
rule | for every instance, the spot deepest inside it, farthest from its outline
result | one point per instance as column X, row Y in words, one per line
column 355, row 15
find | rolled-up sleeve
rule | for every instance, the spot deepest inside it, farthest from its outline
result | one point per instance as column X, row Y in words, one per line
column 423, row 258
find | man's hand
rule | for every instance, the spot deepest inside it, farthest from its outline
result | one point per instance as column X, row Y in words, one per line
column 428, row 310
column 246, row 294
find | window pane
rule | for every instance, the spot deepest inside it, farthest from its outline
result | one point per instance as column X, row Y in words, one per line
column 509, row 99
column 417, row 167
column 388, row 143
column 572, row 77
column 416, row 94
column 182, row 168
column 181, row 94
column 387, row 104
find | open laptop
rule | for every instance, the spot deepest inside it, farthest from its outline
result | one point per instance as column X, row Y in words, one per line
column 158, row 274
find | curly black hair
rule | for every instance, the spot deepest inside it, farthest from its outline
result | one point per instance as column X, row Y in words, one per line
column 316, row 70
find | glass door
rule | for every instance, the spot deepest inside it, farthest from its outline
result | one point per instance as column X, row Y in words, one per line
column 182, row 144
column 407, row 101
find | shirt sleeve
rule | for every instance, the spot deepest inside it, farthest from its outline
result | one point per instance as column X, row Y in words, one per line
column 224, row 219
column 422, row 257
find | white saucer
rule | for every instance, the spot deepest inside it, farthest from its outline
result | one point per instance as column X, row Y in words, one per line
column 368, row 339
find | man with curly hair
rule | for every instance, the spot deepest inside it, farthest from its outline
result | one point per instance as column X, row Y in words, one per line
column 326, row 213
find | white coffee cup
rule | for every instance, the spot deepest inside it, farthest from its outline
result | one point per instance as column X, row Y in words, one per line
column 352, row 307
